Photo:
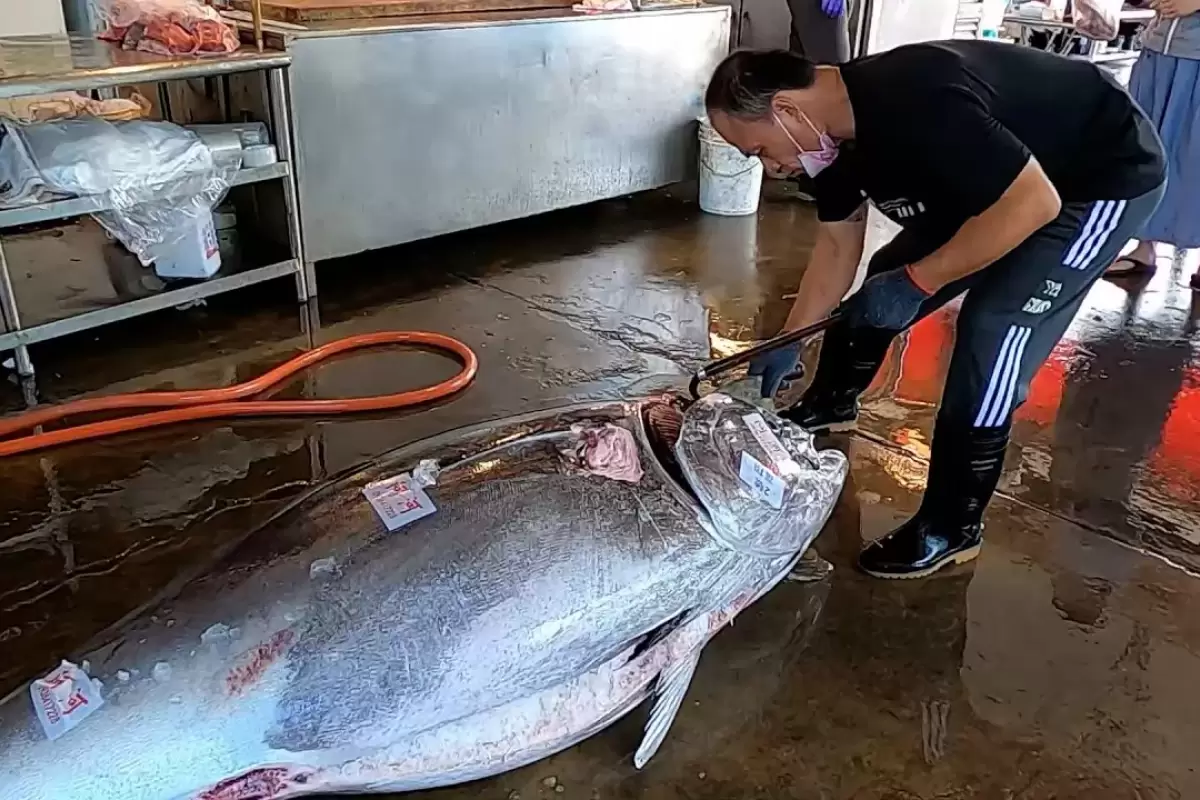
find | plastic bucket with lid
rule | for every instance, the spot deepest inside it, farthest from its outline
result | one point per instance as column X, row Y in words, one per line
column 730, row 183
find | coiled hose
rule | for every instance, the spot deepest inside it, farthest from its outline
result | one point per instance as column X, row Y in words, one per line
column 171, row 408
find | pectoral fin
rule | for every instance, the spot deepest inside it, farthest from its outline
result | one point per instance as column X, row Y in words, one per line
column 669, row 693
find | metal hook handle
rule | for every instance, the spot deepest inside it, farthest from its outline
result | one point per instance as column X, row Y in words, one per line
column 721, row 365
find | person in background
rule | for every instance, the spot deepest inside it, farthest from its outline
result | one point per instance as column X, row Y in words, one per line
column 1166, row 84
column 821, row 34
column 820, row 30
column 1016, row 176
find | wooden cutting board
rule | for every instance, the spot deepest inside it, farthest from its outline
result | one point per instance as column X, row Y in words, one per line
column 302, row 11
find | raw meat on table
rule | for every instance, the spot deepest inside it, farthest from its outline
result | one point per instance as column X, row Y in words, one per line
column 168, row 27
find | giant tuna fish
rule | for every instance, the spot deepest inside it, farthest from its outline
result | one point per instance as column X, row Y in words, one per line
column 539, row 578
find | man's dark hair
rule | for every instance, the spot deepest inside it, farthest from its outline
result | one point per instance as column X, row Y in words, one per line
column 745, row 82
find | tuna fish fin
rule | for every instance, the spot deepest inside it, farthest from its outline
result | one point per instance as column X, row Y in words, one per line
column 669, row 693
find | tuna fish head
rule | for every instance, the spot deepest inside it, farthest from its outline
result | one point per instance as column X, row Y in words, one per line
column 768, row 491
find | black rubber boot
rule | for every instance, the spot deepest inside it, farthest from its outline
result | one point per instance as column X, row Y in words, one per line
column 964, row 468
column 826, row 412
column 848, row 362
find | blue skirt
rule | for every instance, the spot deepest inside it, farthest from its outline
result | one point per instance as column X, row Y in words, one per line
column 1168, row 88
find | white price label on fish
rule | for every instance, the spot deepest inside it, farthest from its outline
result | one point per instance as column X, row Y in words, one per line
column 398, row 501
column 64, row 698
column 763, row 484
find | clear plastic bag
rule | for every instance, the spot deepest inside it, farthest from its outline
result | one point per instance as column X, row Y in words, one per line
column 768, row 490
column 749, row 390
column 20, row 182
column 156, row 177
column 166, row 27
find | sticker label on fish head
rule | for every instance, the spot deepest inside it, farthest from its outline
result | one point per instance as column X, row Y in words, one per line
column 398, row 501
column 764, row 485
column 776, row 452
column 64, row 698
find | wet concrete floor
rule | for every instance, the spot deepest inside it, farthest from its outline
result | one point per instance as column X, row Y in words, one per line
column 1060, row 665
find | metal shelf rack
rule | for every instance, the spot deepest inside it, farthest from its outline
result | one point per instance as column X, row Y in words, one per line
column 82, row 63
column 78, row 206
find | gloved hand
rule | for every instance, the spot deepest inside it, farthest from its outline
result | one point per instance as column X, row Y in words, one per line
column 889, row 300
column 833, row 8
column 777, row 366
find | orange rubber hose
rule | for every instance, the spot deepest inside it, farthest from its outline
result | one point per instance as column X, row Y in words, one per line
column 230, row 401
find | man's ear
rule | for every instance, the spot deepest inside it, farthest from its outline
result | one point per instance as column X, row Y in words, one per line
column 783, row 105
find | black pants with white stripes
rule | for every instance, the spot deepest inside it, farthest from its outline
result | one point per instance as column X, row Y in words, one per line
column 1013, row 314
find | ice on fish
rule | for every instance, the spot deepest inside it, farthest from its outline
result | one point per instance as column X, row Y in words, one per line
column 426, row 473
column 322, row 568
column 216, row 634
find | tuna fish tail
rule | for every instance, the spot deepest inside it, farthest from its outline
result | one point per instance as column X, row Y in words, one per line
column 669, row 692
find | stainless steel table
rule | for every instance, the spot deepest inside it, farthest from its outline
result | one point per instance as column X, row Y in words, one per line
column 415, row 127
column 38, row 65
column 1095, row 51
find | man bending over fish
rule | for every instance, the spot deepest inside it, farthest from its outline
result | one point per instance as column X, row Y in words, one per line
column 1016, row 177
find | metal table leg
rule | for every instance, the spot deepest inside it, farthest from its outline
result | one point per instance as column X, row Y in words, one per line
column 310, row 323
column 281, row 122
column 12, row 318
column 310, row 327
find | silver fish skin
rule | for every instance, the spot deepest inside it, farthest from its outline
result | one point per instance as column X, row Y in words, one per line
column 324, row 654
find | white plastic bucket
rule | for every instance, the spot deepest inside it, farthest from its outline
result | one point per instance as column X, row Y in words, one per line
column 730, row 183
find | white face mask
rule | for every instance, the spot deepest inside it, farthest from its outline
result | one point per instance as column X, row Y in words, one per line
column 811, row 161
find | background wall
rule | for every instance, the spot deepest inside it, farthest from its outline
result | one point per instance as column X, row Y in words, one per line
column 31, row 17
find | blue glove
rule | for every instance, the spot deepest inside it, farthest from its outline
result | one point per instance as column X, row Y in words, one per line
column 833, row 8
column 777, row 366
column 889, row 300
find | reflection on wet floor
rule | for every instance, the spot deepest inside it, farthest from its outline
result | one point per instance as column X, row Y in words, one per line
column 1058, row 666
column 1109, row 436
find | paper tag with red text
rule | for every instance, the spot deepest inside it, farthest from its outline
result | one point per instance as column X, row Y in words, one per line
column 64, row 698
column 398, row 501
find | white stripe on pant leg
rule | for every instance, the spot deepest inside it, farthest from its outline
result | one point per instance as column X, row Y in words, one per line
column 1086, row 232
column 1003, row 406
column 1097, row 231
column 1113, row 222
column 998, row 371
column 1097, row 213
